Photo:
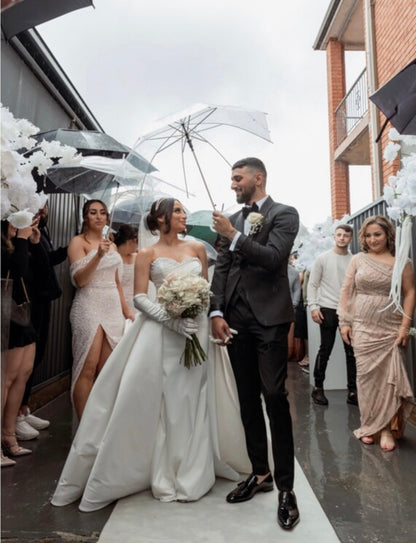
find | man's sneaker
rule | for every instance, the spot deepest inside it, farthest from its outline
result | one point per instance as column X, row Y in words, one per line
column 318, row 396
column 36, row 422
column 25, row 432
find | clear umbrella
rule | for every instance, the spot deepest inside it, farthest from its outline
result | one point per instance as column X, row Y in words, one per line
column 94, row 174
column 192, row 125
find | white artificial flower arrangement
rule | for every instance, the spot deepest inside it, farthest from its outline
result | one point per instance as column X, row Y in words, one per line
column 310, row 244
column 19, row 199
column 400, row 196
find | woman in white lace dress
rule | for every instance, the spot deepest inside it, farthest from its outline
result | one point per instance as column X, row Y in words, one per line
column 126, row 241
column 150, row 422
column 99, row 308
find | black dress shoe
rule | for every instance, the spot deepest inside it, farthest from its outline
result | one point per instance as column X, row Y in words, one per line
column 246, row 489
column 287, row 512
column 318, row 396
column 352, row 398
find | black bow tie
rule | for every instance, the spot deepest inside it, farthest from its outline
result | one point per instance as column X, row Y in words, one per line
column 248, row 209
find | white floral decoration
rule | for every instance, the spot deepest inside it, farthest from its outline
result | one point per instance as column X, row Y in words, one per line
column 19, row 199
column 400, row 197
column 256, row 221
column 310, row 244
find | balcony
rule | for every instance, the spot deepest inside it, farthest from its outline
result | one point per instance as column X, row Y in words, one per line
column 352, row 124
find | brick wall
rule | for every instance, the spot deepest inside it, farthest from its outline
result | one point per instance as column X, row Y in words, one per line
column 395, row 44
column 340, row 196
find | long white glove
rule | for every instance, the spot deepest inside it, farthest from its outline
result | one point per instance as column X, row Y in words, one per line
column 185, row 327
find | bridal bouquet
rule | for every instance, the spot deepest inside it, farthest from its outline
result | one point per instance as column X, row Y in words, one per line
column 186, row 296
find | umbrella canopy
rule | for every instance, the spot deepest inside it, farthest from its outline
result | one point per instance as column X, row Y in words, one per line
column 93, row 174
column 199, row 225
column 93, row 142
column 397, row 100
column 128, row 205
column 192, row 125
column 21, row 15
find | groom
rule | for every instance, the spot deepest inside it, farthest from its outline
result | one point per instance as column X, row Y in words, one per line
column 250, row 313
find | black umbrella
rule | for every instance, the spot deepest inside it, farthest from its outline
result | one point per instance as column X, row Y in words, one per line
column 20, row 15
column 397, row 100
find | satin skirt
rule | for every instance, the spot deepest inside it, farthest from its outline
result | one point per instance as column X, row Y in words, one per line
column 151, row 423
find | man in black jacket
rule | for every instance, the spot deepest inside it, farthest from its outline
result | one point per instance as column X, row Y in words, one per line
column 251, row 312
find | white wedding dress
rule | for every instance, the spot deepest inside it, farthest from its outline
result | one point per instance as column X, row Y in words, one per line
column 152, row 423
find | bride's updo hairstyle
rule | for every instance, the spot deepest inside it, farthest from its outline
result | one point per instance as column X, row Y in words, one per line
column 160, row 208
column 85, row 210
column 386, row 225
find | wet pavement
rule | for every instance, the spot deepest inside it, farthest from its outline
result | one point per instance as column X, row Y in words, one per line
column 367, row 494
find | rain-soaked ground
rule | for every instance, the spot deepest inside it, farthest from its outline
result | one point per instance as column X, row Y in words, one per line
column 368, row 495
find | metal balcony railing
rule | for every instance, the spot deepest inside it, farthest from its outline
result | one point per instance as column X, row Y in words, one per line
column 353, row 107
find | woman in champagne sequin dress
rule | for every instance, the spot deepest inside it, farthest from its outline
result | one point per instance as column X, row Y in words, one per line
column 99, row 309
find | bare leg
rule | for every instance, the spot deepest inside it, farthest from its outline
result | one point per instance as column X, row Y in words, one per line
column 96, row 357
column 18, row 369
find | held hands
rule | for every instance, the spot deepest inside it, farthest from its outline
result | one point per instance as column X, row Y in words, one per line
column 222, row 225
column 222, row 334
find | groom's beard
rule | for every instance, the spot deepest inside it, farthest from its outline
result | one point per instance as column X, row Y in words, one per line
column 245, row 196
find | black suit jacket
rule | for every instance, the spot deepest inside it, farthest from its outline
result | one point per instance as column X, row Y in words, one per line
column 259, row 262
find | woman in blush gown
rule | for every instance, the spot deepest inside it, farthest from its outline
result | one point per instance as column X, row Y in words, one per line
column 99, row 309
column 150, row 422
column 379, row 334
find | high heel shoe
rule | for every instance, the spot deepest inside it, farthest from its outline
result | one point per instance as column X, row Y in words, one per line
column 6, row 461
column 13, row 448
column 387, row 442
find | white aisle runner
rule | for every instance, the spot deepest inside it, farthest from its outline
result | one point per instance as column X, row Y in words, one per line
column 142, row 519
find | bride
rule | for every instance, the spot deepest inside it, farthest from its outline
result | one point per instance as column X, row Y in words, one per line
column 149, row 421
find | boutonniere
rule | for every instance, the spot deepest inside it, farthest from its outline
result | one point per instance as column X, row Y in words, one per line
column 256, row 221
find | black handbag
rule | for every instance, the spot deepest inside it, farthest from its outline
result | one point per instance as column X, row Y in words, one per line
column 19, row 313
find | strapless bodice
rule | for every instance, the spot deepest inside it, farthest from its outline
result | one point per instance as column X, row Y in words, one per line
column 163, row 266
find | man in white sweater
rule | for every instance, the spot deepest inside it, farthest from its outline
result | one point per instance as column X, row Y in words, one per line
column 324, row 286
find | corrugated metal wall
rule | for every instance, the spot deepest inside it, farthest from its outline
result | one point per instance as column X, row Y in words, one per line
column 62, row 222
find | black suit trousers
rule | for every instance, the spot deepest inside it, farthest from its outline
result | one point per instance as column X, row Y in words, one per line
column 258, row 356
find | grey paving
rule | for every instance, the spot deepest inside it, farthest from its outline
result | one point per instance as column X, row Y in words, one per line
column 367, row 495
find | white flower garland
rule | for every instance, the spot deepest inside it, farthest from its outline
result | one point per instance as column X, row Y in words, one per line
column 310, row 244
column 400, row 196
column 19, row 199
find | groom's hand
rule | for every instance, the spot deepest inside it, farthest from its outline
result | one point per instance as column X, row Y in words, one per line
column 223, row 226
column 220, row 330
